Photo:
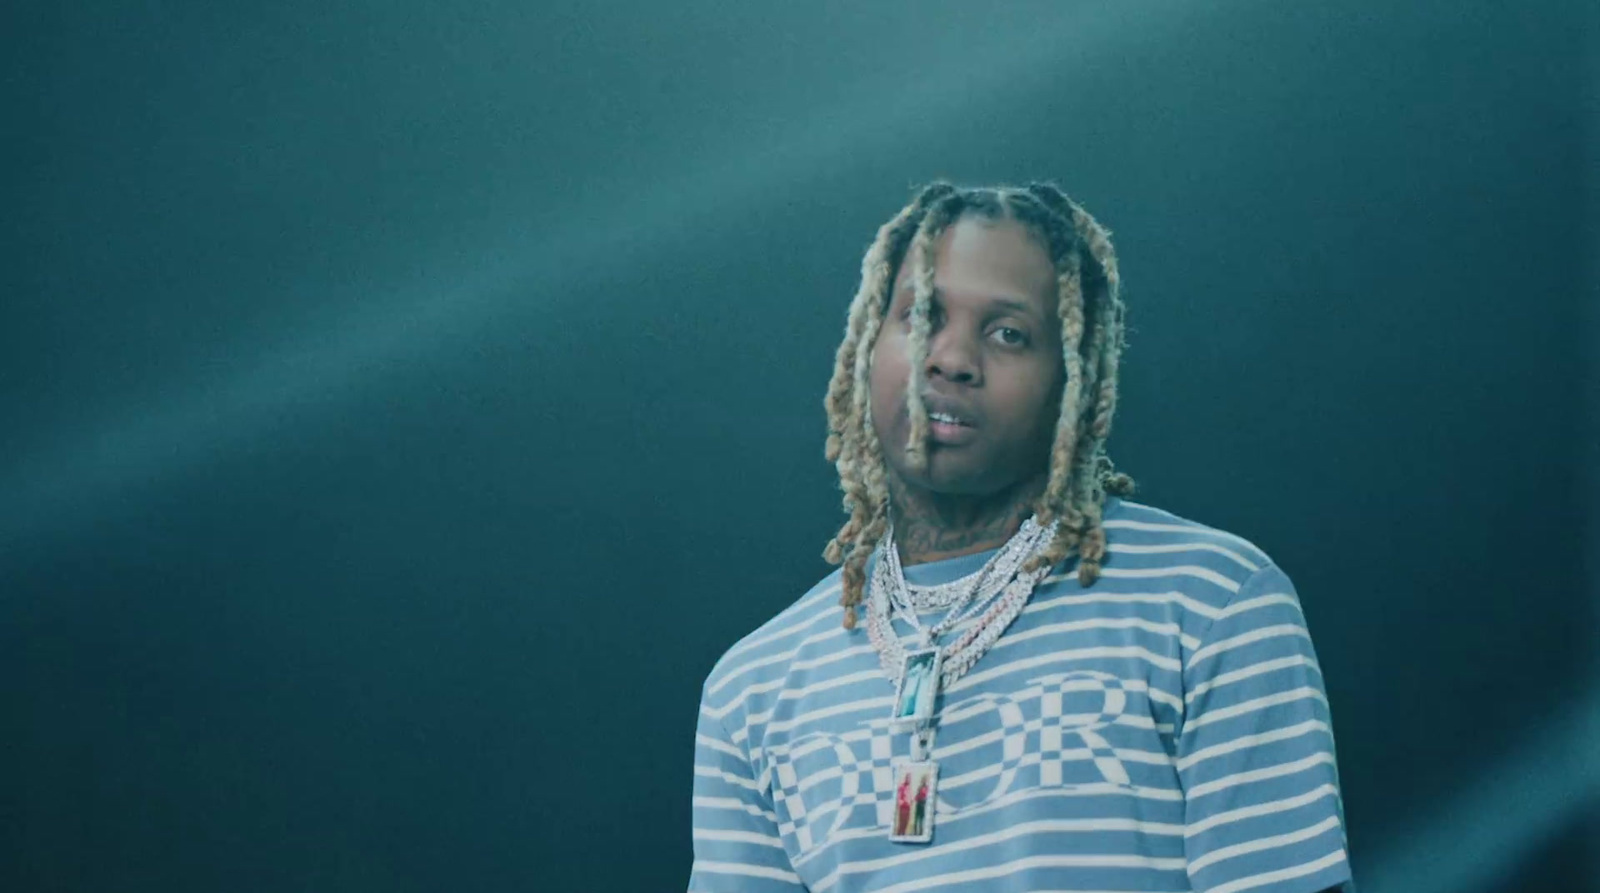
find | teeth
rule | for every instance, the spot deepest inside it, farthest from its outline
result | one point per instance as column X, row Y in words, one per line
column 941, row 417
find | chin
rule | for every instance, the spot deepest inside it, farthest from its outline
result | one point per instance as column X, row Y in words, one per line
column 959, row 480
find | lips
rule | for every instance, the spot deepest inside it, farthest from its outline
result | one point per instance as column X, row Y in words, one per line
column 963, row 414
column 962, row 430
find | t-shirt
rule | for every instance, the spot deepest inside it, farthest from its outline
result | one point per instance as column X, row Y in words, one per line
column 1164, row 729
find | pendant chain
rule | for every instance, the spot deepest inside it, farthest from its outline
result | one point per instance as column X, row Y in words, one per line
column 996, row 594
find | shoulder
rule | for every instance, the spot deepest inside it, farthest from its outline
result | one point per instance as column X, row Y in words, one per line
column 1136, row 524
column 765, row 654
column 1206, row 563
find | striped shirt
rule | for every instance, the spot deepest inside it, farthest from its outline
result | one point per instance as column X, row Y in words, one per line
column 1165, row 729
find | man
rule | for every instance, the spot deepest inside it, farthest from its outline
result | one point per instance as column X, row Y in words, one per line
column 1123, row 699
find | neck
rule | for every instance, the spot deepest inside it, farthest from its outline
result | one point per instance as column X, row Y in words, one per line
column 933, row 526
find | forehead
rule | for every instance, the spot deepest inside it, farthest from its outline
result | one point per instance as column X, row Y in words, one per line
column 976, row 258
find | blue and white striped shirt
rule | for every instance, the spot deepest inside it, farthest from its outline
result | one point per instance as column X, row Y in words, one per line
column 1165, row 729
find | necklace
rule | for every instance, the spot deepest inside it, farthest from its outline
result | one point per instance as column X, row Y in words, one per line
column 995, row 595
column 939, row 596
column 887, row 599
column 971, row 594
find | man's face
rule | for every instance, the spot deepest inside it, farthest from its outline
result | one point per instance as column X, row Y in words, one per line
column 994, row 361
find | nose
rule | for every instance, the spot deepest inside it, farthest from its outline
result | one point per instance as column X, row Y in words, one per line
column 952, row 357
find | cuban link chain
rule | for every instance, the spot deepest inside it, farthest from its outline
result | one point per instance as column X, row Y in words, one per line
column 889, row 597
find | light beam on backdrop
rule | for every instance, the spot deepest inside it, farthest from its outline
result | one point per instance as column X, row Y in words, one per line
column 1551, row 782
column 68, row 488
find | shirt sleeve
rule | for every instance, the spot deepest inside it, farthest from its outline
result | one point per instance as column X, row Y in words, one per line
column 737, row 847
column 1255, row 752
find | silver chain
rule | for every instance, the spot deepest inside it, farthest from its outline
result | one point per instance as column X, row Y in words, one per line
column 967, row 596
column 926, row 599
column 971, row 600
column 976, row 597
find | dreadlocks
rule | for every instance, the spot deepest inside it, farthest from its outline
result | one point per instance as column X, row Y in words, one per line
column 1091, row 311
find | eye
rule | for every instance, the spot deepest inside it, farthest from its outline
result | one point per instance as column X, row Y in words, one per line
column 1011, row 337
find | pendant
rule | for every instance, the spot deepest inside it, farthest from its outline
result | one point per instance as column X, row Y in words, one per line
column 915, row 783
column 919, row 685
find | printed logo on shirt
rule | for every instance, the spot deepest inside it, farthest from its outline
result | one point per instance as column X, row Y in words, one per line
column 1051, row 734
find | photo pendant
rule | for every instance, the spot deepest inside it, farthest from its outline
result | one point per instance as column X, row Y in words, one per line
column 918, row 686
column 914, row 797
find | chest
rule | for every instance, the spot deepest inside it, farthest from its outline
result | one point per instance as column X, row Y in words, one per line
column 1069, row 717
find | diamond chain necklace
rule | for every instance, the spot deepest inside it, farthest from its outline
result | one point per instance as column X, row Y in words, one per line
column 890, row 597
column 975, row 593
column 926, row 599
column 995, row 596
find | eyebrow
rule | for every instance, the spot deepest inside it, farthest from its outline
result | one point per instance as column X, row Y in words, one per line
column 994, row 301
column 1013, row 305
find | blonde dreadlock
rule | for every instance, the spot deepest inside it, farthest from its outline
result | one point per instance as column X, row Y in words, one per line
column 1092, row 315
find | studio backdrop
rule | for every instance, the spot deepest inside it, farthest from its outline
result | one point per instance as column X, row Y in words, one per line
column 403, row 406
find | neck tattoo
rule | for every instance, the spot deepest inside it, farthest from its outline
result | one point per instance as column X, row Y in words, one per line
column 929, row 527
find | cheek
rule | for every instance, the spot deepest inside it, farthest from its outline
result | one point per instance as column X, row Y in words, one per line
column 1035, row 422
column 887, row 382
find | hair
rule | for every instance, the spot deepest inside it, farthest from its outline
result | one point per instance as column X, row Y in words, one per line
column 1092, row 339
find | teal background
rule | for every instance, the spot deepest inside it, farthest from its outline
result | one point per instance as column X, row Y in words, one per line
column 403, row 405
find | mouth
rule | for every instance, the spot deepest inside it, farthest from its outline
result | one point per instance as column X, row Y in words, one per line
column 949, row 429
column 949, row 410
column 945, row 418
